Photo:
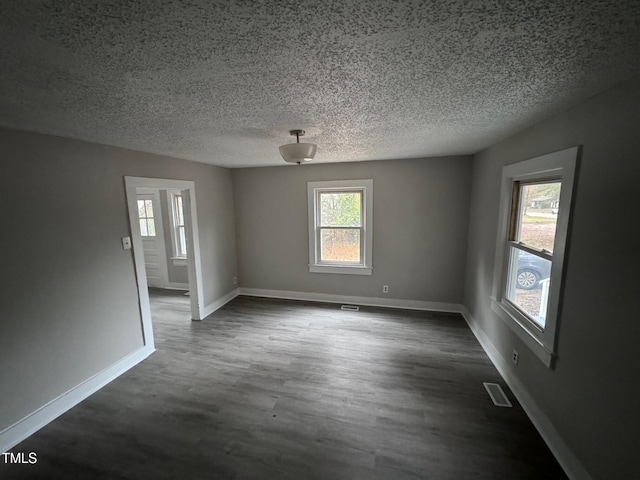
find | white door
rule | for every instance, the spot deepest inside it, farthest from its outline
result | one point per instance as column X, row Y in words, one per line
column 152, row 232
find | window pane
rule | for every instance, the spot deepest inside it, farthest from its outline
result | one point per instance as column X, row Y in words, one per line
column 528, row 284
column 151, row 226
column 341, row 209
column 149, row 206
column 143, row 228
column 179, row 215
column 340, row 245
column 538, row 214
column 141, row 212
column 182, row 242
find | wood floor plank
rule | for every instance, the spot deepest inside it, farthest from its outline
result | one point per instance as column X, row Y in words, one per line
column 275, row 389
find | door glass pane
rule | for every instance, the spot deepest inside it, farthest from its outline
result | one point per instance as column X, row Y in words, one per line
column 528, row 284
column 141, row 212
column 340, row 245
column 149, row 207
column 151, row 226
column 143, row 228
column 538, row 214
column 341, row 209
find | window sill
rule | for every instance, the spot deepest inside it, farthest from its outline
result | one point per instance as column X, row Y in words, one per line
column 179, row 261
column 517, row 325
column 340, row 269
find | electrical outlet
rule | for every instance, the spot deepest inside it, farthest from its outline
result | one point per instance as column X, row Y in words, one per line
column 235, row 280
column 515, row 357
column 385, row 289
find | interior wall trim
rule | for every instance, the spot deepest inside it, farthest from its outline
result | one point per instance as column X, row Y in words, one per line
column 33, row 422
column 219, row 303
column 574, row 469
column 365, row 301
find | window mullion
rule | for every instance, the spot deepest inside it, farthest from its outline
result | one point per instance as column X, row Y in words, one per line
column 534, row 251
column 333, row 227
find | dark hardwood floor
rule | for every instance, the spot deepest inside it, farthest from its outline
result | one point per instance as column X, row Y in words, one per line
column 274, row 389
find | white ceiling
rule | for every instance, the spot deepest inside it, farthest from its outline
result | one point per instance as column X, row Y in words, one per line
column 223, row 82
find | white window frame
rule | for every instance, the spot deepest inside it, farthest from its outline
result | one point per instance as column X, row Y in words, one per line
column 178, row 258
column 560, row 166
column 313, row 191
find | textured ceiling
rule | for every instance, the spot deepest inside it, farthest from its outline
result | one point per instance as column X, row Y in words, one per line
column 222, row 82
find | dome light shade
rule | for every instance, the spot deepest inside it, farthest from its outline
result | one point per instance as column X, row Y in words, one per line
column 298, row 152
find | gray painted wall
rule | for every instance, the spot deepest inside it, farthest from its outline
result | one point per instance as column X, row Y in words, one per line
column 68, row 302
column 592, row 395
column 420, row 228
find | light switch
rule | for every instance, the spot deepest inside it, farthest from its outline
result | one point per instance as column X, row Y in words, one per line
column 126, row 243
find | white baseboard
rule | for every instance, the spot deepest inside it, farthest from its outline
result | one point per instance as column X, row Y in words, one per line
column 365, row 301
column 33, row 422
column 209, row 309
column 569, row 462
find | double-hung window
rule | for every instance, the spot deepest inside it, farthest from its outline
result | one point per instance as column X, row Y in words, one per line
column 340, row 226
column 178, row 236
column 535, row 207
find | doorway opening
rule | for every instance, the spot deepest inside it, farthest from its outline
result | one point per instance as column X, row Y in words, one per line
column 165, row 240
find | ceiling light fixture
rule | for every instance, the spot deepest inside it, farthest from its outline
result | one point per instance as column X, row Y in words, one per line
column 298, row 152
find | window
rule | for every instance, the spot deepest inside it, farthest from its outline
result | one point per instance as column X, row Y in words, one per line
column 531, row 239
column 145, row 215
column 340, row 226
column 178, row 238
column 535, row 207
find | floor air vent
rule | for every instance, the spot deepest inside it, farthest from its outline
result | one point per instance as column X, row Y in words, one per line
column 350, row 308
column 497, row 395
